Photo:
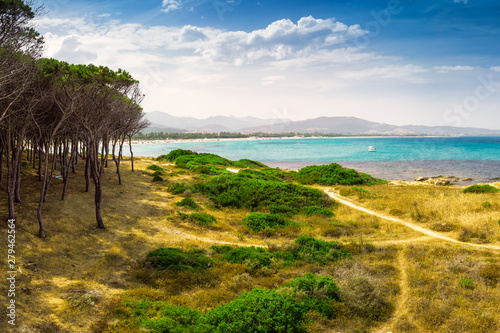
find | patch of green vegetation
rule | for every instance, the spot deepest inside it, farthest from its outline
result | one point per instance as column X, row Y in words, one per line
column 155, row 167
column 157, row 178
column 188, row 203
column 193, row 161
column 176, row 259
column 283, row 210
column 209, row 170
column 466, row 283
column 260, row 174
column 271, row 310
column 203, row 219
column 480, row 189
column 269, row 222
column 258, row 311
column 245, row 163
column 334, row 174
column 172, row 156
column 304, row 248
column 316, row 292
column 257, row 194
column 315, row 210
column 178, row 188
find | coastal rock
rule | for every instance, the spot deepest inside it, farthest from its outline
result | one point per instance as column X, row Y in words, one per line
column 421, row 179
column 442, row 182
column 467, row 179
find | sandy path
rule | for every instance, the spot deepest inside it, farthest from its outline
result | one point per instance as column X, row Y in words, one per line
column 410, row 225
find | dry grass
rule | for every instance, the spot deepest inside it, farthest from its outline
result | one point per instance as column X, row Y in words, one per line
column 464, row 216
column 79, row 274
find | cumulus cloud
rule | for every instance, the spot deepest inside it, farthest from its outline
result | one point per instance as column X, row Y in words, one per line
column 495, row 68
column 281, row 40
column 446, row 69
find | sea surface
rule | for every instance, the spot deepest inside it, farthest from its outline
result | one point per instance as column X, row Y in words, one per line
column 402, row 158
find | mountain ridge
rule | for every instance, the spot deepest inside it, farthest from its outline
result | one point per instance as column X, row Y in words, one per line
column 319, row 125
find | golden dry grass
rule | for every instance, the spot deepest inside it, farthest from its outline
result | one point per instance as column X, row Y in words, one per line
column 79, row 274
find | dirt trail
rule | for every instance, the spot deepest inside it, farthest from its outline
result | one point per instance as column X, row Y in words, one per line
column 410, row 225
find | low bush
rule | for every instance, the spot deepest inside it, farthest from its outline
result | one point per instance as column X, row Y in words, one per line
column 193, row 161
column 257, row 194
column 283, row 210
column 334, row 174
column 304, row 248
column 155, row 168
column 316, row 292
column 172, row 156
column 491, row 273
column 245, row 163
column 202, row 219
column 315, row 210
column 177, row 188
column 188, row 203
column 257, row 311
column 176, row 259
column 157, row 178
column 480, row 189
column 260, row 221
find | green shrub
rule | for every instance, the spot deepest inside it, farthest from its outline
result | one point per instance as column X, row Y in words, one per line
column 203, row 219
column 176, row 259
column 173, row 319
column 283, row 210
column 209, row 170
column 193, row 161
column 157, row 178
column 258, row 174
column 486, row 204
column 245, row 163
column 304, row 248
column 312, row 210
column 260, row 221
column 334, row 174
column 155, row 168
column 188, row 203
column 257, row 311
column 480, row 189
column 178, row 188
column 256, row 194
column 172, row 156
column 259, row 256
column 316, row 292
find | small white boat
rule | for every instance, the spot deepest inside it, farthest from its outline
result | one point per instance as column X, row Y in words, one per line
column 371, row 148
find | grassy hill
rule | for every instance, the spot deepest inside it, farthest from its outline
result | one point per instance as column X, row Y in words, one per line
column 368, row 274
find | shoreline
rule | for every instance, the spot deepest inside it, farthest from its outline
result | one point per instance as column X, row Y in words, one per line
column 255, row 138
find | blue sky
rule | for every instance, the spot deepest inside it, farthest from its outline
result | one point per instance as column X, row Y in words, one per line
column 394, row 61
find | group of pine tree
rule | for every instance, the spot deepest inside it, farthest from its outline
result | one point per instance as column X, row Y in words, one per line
column 54, row 114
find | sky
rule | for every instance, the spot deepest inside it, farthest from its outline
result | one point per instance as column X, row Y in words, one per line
column 399, row 62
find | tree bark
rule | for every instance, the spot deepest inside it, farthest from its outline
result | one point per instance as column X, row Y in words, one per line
column 131, row 152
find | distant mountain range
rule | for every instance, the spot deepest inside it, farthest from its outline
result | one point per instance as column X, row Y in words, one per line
column 163, row 122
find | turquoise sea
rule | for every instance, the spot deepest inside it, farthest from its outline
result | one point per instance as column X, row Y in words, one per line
column 395, row 158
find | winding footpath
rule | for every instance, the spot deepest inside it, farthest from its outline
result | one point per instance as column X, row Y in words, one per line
column 410, row 225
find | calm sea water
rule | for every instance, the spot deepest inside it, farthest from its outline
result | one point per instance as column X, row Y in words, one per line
column 395, row 158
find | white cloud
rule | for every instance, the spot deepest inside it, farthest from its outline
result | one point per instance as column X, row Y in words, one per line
column 104, row 15
column 446, row 69
column 495, row 68
column 171, row 5
column 406, row 72
column 461, row 1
